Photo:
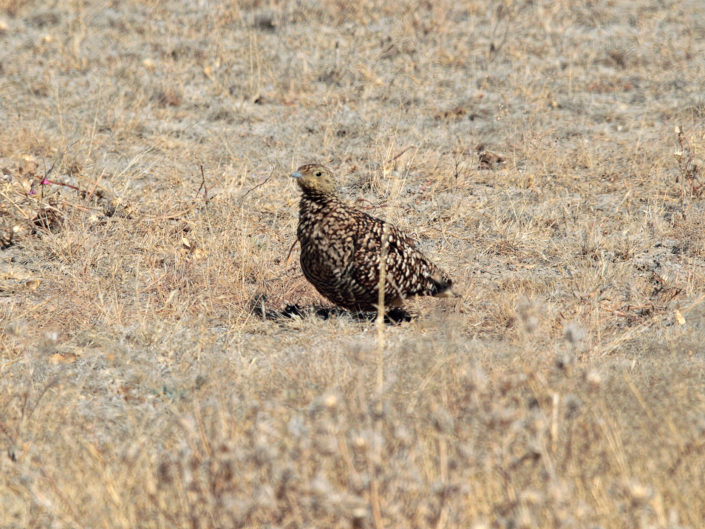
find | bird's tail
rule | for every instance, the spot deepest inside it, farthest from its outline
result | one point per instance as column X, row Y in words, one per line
column 444, row 288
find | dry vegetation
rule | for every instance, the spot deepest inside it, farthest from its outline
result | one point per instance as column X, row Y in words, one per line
column 154, row 371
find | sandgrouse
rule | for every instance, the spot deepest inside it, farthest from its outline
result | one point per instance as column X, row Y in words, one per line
column 341, row 249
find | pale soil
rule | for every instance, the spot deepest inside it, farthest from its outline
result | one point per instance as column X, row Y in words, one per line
column 151, row 371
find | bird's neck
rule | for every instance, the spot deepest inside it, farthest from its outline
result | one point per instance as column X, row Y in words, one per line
column 312, row 201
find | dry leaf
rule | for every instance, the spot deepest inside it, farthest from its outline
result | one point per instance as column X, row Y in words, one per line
column 679, row 317
column 32, row 284
column 63, row 358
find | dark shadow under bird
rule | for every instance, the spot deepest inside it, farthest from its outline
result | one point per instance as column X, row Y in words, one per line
column 341, row 250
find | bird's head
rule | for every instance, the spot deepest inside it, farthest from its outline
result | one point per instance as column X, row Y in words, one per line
column 315, row 178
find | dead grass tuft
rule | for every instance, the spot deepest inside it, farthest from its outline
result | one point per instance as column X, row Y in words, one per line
column 164, row 363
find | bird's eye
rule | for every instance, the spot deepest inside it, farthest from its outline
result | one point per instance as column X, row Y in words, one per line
column 318, row 173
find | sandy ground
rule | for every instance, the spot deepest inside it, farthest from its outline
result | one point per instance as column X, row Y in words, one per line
column 163, row 362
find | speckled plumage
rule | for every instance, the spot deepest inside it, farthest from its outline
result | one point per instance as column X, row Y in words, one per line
column 341, row 249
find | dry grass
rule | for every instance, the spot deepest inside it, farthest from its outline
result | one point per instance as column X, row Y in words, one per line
column 145, row 220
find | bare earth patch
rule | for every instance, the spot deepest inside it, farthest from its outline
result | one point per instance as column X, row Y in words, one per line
column 163, row 362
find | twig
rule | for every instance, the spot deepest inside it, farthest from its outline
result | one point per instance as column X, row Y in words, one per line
column 45, row 181
column 398, row 155
column 82, row 208
column 171, row 216
column 13, row 203
column 380, row 307
column 258, row 185
column 374, row 485
column 290, row 250
column 6, row 431
column 694, row 304
column 443, row 462
column 27, row 410
column 203, row 186
column 48, row 171
column 374, row 497
column 382, row 205
column 689, row 169
column 95, row 186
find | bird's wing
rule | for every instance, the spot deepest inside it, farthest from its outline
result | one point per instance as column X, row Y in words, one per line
column 404, row 263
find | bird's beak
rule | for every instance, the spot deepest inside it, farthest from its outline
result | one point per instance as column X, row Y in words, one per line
column 296, row 174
